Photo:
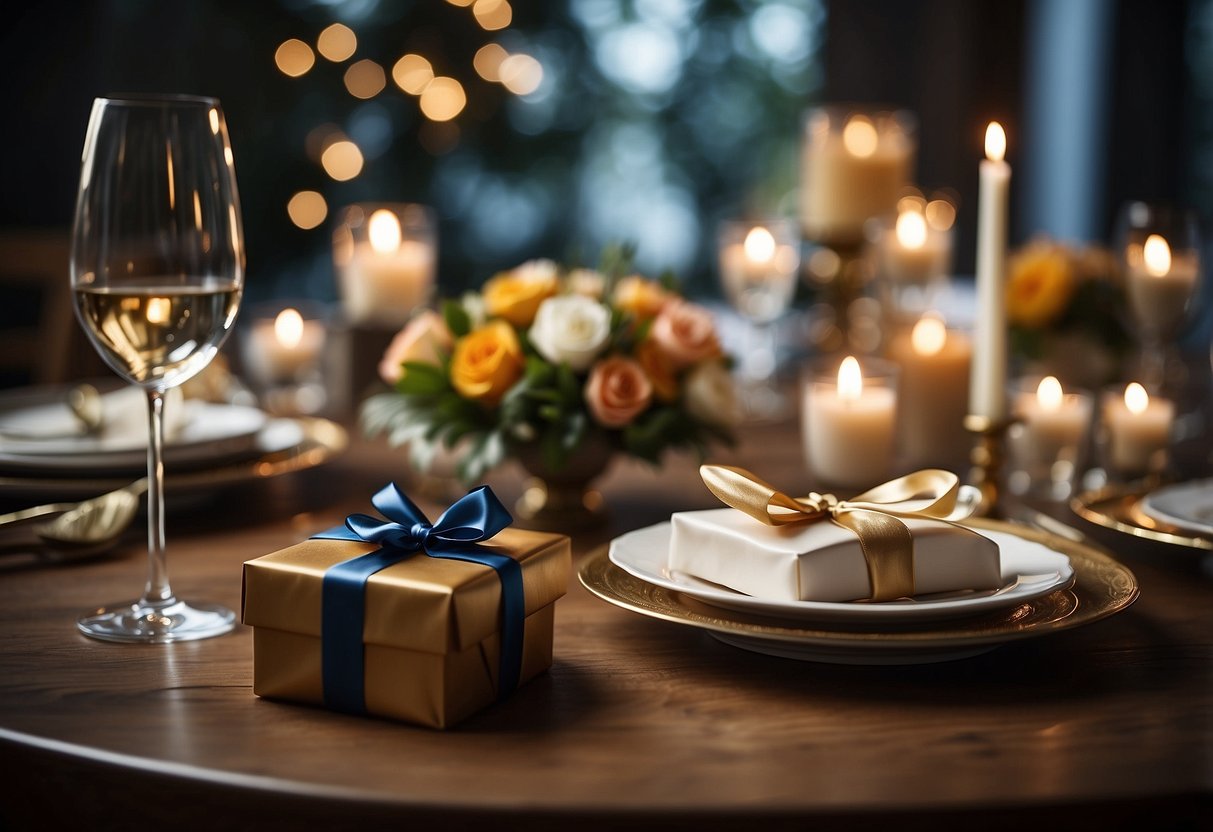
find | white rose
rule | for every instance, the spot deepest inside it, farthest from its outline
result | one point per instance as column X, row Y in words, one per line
column 571, row 329
column 711, row 396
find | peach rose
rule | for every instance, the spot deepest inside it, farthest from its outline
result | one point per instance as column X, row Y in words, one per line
column 515, row 295
column 685, row 334
column 643, row 298
column 658, row 369
column 425, row 339
column 487, row 362
column 588, row 282
column 617, row 391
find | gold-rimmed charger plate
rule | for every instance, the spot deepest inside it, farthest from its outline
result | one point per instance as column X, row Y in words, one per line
column 1118, row 507
column 1102, row 587
column 313, row 442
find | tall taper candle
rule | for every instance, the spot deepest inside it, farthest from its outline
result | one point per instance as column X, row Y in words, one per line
column 988, row 395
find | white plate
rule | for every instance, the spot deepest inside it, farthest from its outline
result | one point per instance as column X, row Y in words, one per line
column 205, row 432
column 1029, row 569
column 1188, row 505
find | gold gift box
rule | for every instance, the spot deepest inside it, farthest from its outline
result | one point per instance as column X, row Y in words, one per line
column 431, row 627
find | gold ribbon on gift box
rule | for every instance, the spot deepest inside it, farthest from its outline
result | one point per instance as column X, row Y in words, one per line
column 874, row 516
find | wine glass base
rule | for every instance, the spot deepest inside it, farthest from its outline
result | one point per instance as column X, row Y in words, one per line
column 160, row 623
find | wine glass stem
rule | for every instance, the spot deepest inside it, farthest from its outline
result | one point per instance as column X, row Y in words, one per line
column 157, row 591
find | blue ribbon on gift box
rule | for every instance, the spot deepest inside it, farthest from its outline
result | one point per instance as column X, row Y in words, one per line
column 476, row 516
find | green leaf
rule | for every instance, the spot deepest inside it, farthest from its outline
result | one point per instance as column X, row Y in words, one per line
column 422, row 379
column 456, row 317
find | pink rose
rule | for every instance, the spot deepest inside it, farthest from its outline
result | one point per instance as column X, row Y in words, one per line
column 425, row 339
column 617, row 391
column 685, row 334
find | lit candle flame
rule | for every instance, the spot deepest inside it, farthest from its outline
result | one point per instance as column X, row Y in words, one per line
column 1136, row 398
column 1049, row 394
column 288, row 328
column 996, row 142
column 911, row 230
column 1157, row 256
column 384, row 231
column 860, row 137
column 850, row 380
column 759, row 245
column 929, row 335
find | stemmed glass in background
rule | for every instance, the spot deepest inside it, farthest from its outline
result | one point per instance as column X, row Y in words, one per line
column 759, row 263
column 1160, row 250
column 157, row 270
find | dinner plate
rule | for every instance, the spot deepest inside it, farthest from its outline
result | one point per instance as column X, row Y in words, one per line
column 283, row 446
column 1187, row 505
column 1101, row 587
column 1029, row 569
column 204, row 432
column 1119, row 507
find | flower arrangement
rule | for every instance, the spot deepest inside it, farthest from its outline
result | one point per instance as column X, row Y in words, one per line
column 549, row 359
column 1065, row 305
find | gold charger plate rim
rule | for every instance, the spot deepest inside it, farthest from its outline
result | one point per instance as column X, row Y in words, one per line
column 1118, row 507
column 1102, row 587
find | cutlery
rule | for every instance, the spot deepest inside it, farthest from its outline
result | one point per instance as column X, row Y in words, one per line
column 89, row 523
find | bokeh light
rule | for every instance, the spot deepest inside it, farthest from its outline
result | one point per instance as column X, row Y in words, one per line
column 307, row 209
column 493, row 14
column 342, row 160
column 521, row 74
column 443, row 99
column 365, row 79
column 294, row 57
column 337, row 42
column 488, row 60
column 412, row 73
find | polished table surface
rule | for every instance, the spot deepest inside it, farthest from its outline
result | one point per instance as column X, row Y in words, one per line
column 638, row 721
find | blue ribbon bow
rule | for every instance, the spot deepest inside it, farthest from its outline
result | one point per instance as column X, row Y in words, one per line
column 476, row 516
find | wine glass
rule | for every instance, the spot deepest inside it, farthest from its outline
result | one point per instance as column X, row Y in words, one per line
column 758, row 268
column 1159, row 247
column 157, row 271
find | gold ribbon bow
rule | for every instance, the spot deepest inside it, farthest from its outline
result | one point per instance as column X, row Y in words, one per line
column 886, row 542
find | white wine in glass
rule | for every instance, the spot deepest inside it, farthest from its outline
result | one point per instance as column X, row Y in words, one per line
column 157, row 272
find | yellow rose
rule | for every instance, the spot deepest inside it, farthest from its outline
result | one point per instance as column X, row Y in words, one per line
column 1040, row 283
column 643, row 298
column 487, row 362
column 515, row 295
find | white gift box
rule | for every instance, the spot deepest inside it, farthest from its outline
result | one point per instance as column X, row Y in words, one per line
column 820, row 561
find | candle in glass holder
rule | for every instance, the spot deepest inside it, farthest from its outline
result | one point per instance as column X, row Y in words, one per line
column 854, row 166
column 849, row 424
column 283, row 349
column 385, row 261
column 1138, row 430
column 1054, row 423
column 1161, row 283
column 933, row 392
column 913, row 252
column 758, row 266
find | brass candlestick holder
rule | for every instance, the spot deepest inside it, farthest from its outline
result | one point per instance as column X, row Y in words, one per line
column 987, row 456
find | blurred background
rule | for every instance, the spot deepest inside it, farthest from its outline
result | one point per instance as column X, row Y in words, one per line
column 553, row 129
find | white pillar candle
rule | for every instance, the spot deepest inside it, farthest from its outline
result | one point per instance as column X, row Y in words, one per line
column 385, row 277
column 988, row 396
column 1054, row 423
column 933, row 392
column 284, row 348
column 1161, row 284
column 849, row 427
column 912, row 252
column 1139, row 430
column 853, row 167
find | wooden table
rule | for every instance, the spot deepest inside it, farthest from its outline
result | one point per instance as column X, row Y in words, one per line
column 639, row 721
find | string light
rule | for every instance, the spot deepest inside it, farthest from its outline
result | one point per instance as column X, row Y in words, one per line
column 443, row 99
column 307, row 209
column 294, row 57
column 337, row 42
column 493, row 14
column 412, row 73
column 365, row 79
column 342, row 160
